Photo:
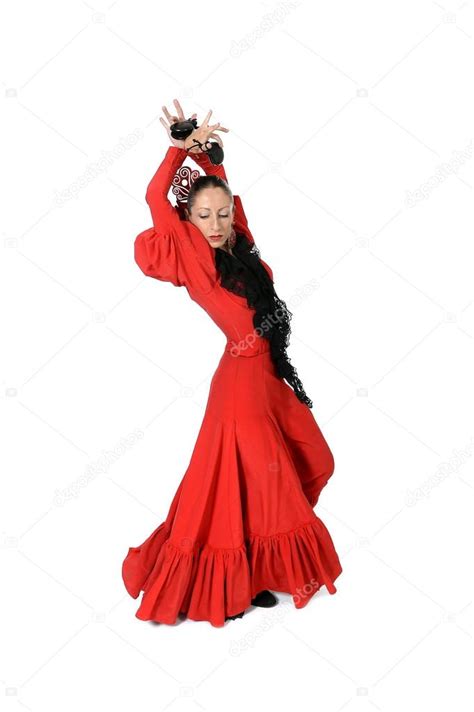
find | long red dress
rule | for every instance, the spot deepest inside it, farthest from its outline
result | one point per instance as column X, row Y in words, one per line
column 242, row 518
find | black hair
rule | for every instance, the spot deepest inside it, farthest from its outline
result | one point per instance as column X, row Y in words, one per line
column 207, row 181
column 243, row 273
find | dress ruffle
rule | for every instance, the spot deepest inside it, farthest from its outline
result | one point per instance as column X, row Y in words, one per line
column 205, row 583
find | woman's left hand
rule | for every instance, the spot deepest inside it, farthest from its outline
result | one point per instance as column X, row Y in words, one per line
column 202, row 135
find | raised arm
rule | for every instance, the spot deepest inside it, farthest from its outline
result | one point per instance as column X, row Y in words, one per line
column 170, row 251
column 203, row 160
column 163, row 213
column 202, row 134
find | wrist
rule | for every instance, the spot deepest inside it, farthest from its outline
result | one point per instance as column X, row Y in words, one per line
column 176, row 149
column 192, row 145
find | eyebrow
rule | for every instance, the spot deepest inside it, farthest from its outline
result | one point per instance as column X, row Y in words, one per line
column 224, row 208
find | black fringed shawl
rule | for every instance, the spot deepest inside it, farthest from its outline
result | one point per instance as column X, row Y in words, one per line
column 243, row 273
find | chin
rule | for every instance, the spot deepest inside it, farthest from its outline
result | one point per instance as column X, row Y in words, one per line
column 215, row 245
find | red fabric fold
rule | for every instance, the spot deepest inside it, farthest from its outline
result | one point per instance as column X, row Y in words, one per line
column 208, row 584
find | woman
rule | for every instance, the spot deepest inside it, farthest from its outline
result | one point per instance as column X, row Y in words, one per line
column 241, row 522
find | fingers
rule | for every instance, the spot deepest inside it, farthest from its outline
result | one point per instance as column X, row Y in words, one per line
column 167, row 114
column 173, row 119
column 218, row 127
column 217, row 138
column 179, row 109
column 165, row 124
column 214, row 127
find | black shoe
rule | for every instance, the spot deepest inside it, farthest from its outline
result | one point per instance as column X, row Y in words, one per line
column 264, row 599
column 237, row 615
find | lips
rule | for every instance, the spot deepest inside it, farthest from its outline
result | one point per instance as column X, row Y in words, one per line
column 215, row 237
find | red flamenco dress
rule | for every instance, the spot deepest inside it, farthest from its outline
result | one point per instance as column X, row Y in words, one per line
column 242, row 518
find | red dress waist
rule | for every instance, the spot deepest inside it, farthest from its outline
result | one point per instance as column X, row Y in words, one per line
column 247, row 349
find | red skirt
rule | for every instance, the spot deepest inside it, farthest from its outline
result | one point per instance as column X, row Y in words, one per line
column 242, row 518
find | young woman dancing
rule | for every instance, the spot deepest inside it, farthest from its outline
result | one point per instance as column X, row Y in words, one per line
column 241, row 523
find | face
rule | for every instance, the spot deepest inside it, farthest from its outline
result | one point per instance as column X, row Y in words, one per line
column 213, row 213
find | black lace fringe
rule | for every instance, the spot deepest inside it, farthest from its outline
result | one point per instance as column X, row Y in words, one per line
column 243, row 273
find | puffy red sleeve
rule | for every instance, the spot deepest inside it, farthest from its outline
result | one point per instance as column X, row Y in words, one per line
column 173, row 250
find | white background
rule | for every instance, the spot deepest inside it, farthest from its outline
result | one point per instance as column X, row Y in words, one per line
column 351, row 147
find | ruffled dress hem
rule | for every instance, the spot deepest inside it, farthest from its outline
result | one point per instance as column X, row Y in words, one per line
column 208, row 584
